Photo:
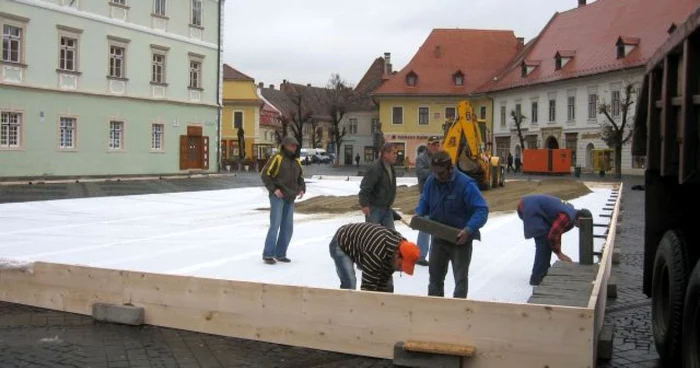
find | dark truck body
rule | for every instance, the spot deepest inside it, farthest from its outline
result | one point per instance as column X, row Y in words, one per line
column 666, row 131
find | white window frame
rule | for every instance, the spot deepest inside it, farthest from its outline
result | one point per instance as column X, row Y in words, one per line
column 196, row 17
column 393, row 120
column 552, row 109
column 160, row 8
column 592, row 105
column 233, row 119
column 352, row 126
column 534, row 111
column 10, row 20
column 157, row 138
column 158, row 67
column 68, row 53
column 118, row 2
column 504, row 115
column 453, row 109
column 116, row 135
column 615, row 106
column 571, row 108
column 67, row 133
column 427, row 119
column 199, row 62
column 114, row 44
column 6, row 130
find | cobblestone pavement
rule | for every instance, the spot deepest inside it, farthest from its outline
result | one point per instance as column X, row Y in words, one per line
column 33, row 337
column 633, row 344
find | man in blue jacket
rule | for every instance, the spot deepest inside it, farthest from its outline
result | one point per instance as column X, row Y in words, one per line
column 546, row 218
column 454, row 199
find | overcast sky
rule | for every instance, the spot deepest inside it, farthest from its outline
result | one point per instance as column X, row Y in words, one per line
column 304, row 41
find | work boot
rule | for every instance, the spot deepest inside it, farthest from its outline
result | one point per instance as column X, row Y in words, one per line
column 269, row 260
column 283, row 259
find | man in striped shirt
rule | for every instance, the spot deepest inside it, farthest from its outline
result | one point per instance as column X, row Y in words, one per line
column 378, row 252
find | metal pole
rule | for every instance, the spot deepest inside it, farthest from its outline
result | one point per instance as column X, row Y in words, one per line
column 585, row 241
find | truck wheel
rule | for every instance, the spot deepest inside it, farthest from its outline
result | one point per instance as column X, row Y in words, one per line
column 691, row 321
column 667, row 292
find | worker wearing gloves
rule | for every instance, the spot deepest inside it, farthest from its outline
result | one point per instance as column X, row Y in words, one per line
column 422, row 173
column 546, row 218
column 376, row 250
column 452, row 198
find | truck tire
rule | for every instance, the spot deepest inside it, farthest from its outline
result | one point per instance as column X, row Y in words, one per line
column 691, row 321
column 668, row 288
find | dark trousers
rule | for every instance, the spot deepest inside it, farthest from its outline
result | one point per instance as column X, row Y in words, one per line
column 443, row 252
column 543, row 258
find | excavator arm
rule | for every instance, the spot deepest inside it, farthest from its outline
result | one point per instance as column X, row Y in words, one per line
column 464, row 142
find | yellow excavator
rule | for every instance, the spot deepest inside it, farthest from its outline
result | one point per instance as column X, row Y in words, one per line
column 464, row 142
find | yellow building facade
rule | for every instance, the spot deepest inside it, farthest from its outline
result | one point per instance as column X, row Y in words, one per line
column 417, row 101
column 241, row 110
column 408, row 121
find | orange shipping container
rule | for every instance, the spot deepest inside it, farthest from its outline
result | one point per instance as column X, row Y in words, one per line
column 547, row 161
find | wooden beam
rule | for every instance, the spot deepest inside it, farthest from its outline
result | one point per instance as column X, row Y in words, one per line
column 669, row 123
column 585, row 241
column 439, row 348
column 352, row 322
column 688, row 129
column 598, row 300
column 654, row 122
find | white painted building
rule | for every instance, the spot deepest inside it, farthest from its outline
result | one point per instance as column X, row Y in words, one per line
column 565, row 114
column 109, row 87
column 582, row 58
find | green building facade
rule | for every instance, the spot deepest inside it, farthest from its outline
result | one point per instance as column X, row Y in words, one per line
column 113, row 87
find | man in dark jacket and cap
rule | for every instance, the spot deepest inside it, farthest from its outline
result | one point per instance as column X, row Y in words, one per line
column 546, row 218
column 283, row 177
column 378, row 189
column 422, row 172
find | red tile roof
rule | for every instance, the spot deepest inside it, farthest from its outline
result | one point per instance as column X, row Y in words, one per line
column 233, row 74
column 373, row 78
column 478, row 54
column 589, row 35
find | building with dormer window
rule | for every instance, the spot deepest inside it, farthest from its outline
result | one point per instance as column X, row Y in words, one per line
column 582, row 58
column 109, row 87
column 415, row 102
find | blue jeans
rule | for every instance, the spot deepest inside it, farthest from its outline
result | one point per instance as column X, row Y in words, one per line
column 282, row 224
column 543, row 259
column 423, row 243
column 381, row 216
column 344, row 266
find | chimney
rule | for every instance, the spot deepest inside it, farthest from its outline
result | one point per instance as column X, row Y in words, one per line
column 261, row 85
column 581, row 3
column 521, row 41
column 272, row 86
column 387, row 63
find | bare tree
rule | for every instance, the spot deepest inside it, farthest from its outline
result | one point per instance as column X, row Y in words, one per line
column 279, row 134
column 518, row 119
column 618, row 127
column 316, row 134
column 241, row 143
column 341, row 97
column 300, row 116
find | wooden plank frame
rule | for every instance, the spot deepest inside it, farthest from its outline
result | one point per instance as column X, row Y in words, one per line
column 353, row 322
